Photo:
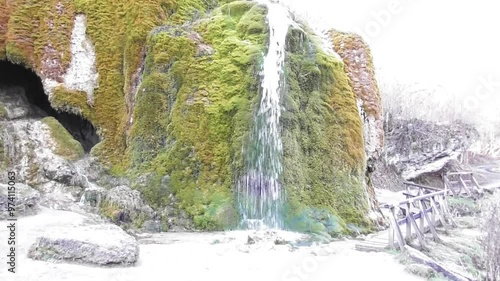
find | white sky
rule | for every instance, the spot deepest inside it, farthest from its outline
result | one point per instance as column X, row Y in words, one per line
column 443, row 43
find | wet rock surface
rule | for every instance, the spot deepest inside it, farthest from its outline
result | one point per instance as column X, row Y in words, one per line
column 26, row 200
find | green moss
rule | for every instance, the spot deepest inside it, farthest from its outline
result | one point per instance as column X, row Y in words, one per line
column 109, row 210
column 38, row 31
column 71, row 101
column 343, row 42
column 3, row 112
column 66, row 145
column 138, row 221
column 199, row 107
column 322, row 141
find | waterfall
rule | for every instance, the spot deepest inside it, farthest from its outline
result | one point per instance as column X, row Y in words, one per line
column 260, row 195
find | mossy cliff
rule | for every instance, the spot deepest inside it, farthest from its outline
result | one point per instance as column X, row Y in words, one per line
column 194, row 108
column 358, row 64
column 178, row 85
column 324, row 158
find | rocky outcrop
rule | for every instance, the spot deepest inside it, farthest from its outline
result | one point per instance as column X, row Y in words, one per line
column 124, row 205
column 200, row 75
column 358, row 64
column 417, row 149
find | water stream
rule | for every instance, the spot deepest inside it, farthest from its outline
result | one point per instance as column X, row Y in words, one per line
column 260, row 194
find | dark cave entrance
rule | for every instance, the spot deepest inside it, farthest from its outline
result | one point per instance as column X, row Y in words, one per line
column 80, row 128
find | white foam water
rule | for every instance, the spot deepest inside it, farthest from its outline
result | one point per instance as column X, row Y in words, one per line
column 260, row 193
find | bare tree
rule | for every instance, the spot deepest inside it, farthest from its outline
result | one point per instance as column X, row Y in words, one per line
column 491, row 240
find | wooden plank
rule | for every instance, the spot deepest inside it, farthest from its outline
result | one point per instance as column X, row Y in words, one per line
column 415, row 199
column 409, row 214
column 397, row 230
column 424, row 259
column 473, row 179
column 366, row 248
column 459, row 173
column 465, row 186
column 440, row 214
column 419, row 233
column 391, row 235
column 422, row 186
column 430, row 224
column 448, row 186
column 449, row 217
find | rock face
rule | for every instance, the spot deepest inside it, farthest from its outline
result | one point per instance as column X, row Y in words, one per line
column 417, row 149
column 359, row 67
column 358, row 64
column 27, row 200
column 98, row 244
column 125, row 205
column 203, row 75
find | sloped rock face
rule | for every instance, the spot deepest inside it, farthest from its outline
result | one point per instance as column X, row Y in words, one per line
column 359, row 67
column 358, row 64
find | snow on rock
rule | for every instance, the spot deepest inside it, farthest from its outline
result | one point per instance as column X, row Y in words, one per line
column 86, row 241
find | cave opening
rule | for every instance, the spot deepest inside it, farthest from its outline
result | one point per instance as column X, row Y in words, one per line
column 13, row 75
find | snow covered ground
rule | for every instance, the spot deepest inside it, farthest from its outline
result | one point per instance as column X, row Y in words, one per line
column 206, row 256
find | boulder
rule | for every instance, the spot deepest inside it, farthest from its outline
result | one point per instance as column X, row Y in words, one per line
column 61, row 171
column 93, row 196
column 97, row 244
column 125, row 205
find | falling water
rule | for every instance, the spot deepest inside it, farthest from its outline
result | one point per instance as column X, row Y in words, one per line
column 260, row 194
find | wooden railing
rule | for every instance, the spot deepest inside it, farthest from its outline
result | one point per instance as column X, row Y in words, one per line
column 459, row 183
column 425, row 209
column 421, row 214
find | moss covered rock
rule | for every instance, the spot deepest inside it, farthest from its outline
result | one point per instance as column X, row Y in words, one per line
column 193, row 109
column 324, row 158
column 65, row 145
column 179, row 81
